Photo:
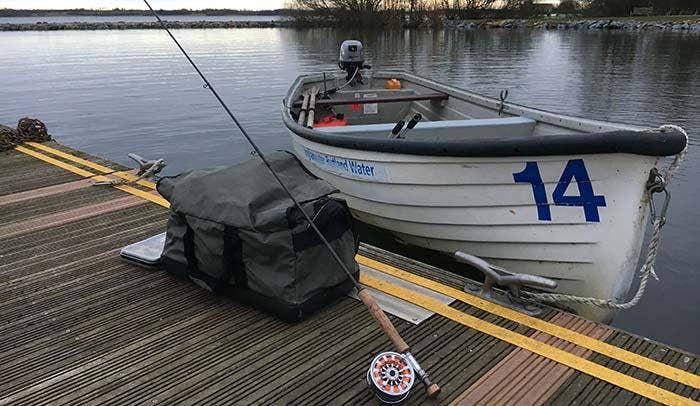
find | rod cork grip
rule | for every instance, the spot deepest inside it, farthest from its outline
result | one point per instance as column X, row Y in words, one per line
column 433, row 390
column 384, row 322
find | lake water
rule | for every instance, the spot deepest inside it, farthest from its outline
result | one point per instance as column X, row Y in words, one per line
column 114, row 92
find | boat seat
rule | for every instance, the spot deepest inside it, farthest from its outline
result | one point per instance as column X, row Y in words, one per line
column 446, row 130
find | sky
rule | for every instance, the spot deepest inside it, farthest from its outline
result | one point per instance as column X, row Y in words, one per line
column 138, row 4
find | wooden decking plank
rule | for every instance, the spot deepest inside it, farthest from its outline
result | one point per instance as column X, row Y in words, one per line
column 68, row 216
column 44, row 191
column 525, row 377
column 486, row 349
column 565, row 334
column 144, row 365
column 578, row 386
column 50, row 205
column 86, row 328
column 258, row 349
column 71, row 233
column 71, row 252
column 166, row 316
column 159, row 352
column 477, row 366
column 320, row 379
column 603, row 393
column 568, row 392
column 24, row 173
column 18, row 266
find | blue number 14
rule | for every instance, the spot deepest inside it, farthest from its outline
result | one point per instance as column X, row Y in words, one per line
column 575, row 170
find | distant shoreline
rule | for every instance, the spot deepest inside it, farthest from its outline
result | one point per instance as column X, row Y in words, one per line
column 140, row 25
column 673, row 23
column 124, row 12
column 660, row 23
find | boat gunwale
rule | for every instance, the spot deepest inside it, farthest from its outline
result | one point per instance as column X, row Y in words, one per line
column 615, row 138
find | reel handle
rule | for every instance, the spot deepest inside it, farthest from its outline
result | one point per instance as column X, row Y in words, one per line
column 432, row 389
column 384, row 322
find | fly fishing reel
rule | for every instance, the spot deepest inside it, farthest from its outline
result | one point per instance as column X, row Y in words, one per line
column 390, row 377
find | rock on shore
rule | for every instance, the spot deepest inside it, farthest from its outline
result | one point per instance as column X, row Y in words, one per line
column 121, row 25
column 577, row 25
column 690, row 25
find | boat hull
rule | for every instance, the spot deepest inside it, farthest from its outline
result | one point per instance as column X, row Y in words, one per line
column 578, row 220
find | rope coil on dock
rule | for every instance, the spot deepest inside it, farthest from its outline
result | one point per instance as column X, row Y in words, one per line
column 647, row 269
column 28, row 129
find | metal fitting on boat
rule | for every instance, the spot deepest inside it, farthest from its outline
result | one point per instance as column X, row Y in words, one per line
column 657, row 184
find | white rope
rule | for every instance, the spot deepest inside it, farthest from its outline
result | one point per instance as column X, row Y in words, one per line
column 647, row 268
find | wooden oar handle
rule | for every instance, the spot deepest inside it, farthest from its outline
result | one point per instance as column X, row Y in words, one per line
column 383, row 321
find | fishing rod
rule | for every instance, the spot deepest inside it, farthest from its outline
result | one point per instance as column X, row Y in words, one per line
column 385, row 324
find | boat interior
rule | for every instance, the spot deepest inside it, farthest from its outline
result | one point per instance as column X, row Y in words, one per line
column 384, row 100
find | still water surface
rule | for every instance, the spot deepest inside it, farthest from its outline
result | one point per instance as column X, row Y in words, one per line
column 114, row 92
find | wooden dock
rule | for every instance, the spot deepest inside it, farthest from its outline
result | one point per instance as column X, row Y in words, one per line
column 80, row 326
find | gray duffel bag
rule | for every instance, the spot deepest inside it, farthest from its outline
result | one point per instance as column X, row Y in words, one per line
column 235, row 231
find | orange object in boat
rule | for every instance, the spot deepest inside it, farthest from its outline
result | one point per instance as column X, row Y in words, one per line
column 392, row 84
column 332, row 121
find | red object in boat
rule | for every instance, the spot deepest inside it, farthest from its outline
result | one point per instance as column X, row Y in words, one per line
column 331, row 121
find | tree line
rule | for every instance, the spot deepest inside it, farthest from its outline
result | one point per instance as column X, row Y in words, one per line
column 416, row 12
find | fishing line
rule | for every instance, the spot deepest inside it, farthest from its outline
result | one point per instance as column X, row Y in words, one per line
column 257, row 150
column 374, row 309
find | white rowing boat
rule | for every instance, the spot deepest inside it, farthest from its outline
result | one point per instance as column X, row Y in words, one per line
column 527, row 190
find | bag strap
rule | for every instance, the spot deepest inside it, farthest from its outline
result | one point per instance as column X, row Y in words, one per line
column 233, row 258
column 233, row 261
column 192, row 270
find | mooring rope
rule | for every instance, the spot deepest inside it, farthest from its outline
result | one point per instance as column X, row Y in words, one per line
column 28, row 129
column 31, row 129
column 647, row 268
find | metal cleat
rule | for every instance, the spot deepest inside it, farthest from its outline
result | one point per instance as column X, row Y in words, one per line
column 147, row 169
column 150, row 167
column 513, row 282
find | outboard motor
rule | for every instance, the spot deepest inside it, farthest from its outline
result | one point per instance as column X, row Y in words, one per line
column 352, row 60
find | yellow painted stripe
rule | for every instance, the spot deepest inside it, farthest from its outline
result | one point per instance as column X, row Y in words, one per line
column 565, row 358
column 55, row 162
column 157, row 199
column 90, row 164
column 99, row 178
column 582, row 340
